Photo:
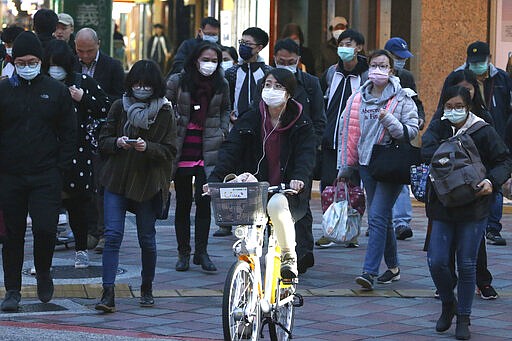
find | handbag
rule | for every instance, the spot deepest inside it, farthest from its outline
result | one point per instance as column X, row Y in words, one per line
column 336, row 192
column 392, row 162
column 419, row 178
column 341, row 223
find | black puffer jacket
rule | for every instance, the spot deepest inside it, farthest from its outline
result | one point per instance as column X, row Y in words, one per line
column 494, row 155
column 242, row 151
column 37, row 125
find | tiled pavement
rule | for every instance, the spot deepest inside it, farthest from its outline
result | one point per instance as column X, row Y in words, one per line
column 188, row 305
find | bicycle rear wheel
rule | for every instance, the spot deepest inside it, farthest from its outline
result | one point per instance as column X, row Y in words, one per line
column 284, row 315
column 241, row 317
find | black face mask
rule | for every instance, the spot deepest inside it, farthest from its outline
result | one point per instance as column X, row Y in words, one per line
column 245, row 52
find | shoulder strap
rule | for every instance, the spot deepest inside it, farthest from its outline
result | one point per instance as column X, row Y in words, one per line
column 475, row 127
column 390, row 107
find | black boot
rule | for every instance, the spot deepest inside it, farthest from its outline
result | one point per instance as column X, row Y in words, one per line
column 183, row 262
column 445, row 320
column 462, row 329
column 11, row 301
column 204, row 260
column 44, row 286
column 107, row 304
column 146, row 295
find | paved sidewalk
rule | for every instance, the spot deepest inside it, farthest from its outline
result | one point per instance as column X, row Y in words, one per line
column 188, row 304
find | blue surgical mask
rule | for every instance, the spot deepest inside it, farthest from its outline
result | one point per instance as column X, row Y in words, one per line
column 57, row 72
column 142, row 94
column 245, row 52
column 399, row 64
column 211, row 39
column 27, row 72
column 346, row 54
column 479, row 68
column 455, row 115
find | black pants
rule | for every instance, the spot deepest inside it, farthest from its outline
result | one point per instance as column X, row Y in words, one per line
column 77, row 207
column 40, row 196
column 329, row 169
column 184, row 195
column 304, row 232
column 95, row 210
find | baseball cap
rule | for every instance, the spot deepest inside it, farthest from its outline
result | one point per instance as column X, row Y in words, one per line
column 478, row 52
column 66, row 19
column 339, row 20
column 398, row 47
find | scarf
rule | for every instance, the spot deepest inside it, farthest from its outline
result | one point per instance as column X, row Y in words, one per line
column 200, row 99
column 140, row 115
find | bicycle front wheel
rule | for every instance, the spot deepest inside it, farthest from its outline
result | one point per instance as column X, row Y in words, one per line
column 281, row 327
column 241, row 313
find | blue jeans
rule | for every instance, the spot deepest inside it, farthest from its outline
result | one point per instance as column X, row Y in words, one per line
column 465, row 237
column 495, row 212
column 380, row 198
column 115, row 212
column 402, row 211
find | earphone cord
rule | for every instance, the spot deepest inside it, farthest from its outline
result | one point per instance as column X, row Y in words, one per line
column 267, row 136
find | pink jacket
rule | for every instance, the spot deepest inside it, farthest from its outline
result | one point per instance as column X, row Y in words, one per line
column 349, row 133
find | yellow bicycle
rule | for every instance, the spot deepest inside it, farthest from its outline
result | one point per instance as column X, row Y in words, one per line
column 251, row 301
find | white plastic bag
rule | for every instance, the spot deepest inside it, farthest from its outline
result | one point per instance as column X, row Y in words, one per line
column 341, row 223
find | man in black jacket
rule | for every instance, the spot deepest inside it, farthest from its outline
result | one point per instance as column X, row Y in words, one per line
column 37, row 142
column 209, row 31
column 45, row 23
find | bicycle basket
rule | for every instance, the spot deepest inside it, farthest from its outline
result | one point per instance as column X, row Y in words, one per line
column 239, row 203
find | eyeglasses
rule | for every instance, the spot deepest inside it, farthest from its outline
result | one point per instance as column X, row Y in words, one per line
column 247, row 43
column 23, row 65
column 142, row 87
column 380, row 67
column 456, row 107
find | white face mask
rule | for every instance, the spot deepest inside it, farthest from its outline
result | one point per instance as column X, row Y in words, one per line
column 211, row 39
column 291, row 68
column 207, row 68
column 336, row 34
column 227, row 64
column 57, row 72
column 8, row 50
column 273, row 97
column 27, row 72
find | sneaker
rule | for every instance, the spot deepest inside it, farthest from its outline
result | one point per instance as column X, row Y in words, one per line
column 403, row 232
column 388, row 277
column 495, row 238
column 488, row 293
column 101, row 245
column 365, row 280
column 324, row 243
column 44, row 287
column 11, row 301
column 367, row 232
column 81, row 259
column 33, row 270
column 63, row 219
column 289, row 266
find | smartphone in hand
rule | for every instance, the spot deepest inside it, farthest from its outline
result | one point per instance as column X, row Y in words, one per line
column 131, row 141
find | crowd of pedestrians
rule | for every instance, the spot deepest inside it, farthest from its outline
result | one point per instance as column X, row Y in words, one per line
column 76, row 133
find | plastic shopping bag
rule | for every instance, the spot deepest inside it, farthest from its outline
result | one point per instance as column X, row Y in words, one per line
column 341, row 223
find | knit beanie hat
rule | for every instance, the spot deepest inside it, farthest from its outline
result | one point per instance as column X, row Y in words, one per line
column 27, row 43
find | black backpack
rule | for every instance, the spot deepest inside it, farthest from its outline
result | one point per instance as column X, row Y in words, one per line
column 456, row 169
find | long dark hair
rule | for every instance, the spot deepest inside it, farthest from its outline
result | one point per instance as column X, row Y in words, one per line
column 477, row 104
column 59, row 53
column 192, row 74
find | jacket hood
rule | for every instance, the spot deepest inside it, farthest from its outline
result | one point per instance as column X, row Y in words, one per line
column 392, row 89
column 290, row 115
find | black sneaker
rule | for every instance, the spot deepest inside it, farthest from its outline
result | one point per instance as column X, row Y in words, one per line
column 388, row 277
column 495, row 238
column 11, row 301
column 365, row 280
column 488, row 293
column 403, row 232
column 44, row 287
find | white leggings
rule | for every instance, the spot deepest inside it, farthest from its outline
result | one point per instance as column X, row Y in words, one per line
column 284, row 227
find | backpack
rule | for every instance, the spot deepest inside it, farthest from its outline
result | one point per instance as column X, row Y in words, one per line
column 456, row 169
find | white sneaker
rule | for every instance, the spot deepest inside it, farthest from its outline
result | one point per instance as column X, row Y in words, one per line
column 63, row 219
column 81, row 259
column 33, row 270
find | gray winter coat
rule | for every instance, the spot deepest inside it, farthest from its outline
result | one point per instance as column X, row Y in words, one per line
column 216, row 124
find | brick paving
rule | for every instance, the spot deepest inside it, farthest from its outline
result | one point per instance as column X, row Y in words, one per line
column 188, row 304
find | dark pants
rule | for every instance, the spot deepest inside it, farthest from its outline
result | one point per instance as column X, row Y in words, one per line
column 184, row 196
column 77, row 207
column 329, row 170
column 40, row 196
column 95, row 207
column 304, row 233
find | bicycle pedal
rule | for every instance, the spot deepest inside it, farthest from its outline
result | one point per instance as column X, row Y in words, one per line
column 289, row 281
column 298, row 300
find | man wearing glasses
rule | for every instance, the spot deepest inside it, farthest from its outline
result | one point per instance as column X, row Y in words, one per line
column 37, row 143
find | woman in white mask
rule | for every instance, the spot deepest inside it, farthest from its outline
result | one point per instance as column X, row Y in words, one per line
column 377, row 113
column 461, row 228
column 275, row 142
column 200, row 94
column 91, row 103
column 139, row 143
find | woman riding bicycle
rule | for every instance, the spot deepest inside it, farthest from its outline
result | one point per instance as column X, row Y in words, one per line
column 275, row 142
